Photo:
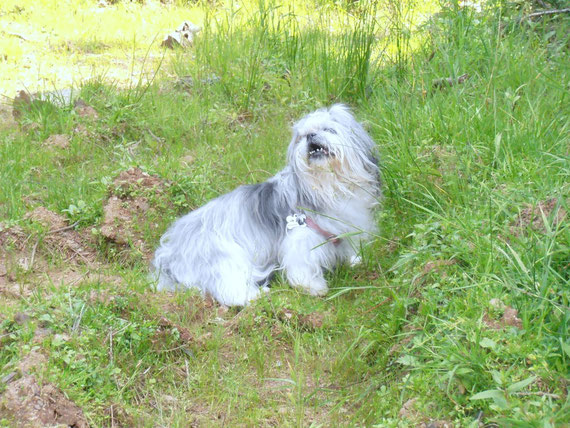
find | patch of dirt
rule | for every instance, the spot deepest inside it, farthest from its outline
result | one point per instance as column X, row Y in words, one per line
column 14, row 290
column 193, row 308
column 62, row 238
column 59, row 141
column 6, row 117
column 441, row 163
column 185, row 335
column 434, row 266
column 409, row 331
column 312, row 321
column 40, row 334
column 35, row 359
column 12, row 236
column 117, row 416
column 13, row 257
column 21, row 102
column 21, row 318
column 47, row 218
column 33, row 405
column 392, row 245
column 70, row 277
column 410, row 412
column 188, row 159
column 509, row 319
column 85, row 110
column 532, row 216
column 130, row 204
column 285, row 316
column 101, row 297
column 23, row 264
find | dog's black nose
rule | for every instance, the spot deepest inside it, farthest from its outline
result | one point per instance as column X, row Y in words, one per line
column 310, row 137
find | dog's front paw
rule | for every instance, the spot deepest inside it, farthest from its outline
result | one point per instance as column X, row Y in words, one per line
column 316, row 286
column 355, row 260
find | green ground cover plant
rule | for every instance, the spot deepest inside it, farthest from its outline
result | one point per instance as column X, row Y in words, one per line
column 459, row 314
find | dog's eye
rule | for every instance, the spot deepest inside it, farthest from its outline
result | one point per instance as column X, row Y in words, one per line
column 332, row 131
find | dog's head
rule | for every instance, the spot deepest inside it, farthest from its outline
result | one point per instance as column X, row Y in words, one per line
column 330, row 152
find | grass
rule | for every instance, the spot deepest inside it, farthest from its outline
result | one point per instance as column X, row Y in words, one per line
column 473, row 222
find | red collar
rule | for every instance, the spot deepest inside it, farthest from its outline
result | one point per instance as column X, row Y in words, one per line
column 330, row 237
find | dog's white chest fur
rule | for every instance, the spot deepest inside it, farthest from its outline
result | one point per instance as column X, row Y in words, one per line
column 230, row 247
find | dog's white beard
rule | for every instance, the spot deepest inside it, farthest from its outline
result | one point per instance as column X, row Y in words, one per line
column 230, row 247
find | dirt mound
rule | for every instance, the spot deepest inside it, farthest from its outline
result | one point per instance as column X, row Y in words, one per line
column 60, row 141
column 23, row 252
column 11, row 236
column 34, row 360
column 510, row 318
column 62, row 238
column 135, row 179
column 33, row 405
column 13, row 241
column 131, row 207
column 532, row 216
column 47, row 218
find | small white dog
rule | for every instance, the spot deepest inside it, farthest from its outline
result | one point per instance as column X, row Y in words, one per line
column 311, row 216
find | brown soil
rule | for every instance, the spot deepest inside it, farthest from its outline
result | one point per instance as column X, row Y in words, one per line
column 309, row 322
column 60, row 141
column 23, row 261
column 510, row 318
column 434, row 266
column 34, row 360
column 532, row 216
column 408, row 410
column 13, row 257
column 411, row 413
column 84, row 110
column 130, row 203
column 13, row 238
column 62, row 238
column 30, row 404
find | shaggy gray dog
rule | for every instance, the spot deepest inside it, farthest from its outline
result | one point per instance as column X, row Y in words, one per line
column 311, row 216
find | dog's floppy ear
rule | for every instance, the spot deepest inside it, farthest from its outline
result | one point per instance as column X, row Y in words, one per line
column 341, row 113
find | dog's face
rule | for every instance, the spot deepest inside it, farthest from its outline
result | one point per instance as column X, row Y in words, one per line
column 330, row 149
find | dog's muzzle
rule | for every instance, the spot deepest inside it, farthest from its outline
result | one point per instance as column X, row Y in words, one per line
column 315, row 149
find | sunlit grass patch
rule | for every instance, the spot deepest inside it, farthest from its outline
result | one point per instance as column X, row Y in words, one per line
column 49, row 45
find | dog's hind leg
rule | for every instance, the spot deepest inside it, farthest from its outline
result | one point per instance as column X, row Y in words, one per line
column 232, row 280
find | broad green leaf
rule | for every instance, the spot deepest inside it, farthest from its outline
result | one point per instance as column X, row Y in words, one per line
column 487, row 343
column 497, row 396
column 490, row 393
column 566, row 347
column 497, row 377
column 408, row 360
column 517, row 386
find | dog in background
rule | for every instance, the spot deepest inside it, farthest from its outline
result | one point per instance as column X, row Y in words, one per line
column 309, row 217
